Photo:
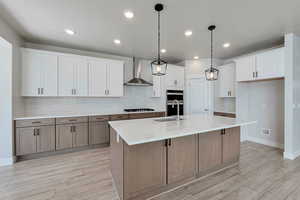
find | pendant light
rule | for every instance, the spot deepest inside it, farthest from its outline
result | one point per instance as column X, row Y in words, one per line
column 211, row 73
column 159, row 66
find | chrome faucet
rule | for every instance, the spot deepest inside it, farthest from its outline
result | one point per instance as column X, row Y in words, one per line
column 178, row 103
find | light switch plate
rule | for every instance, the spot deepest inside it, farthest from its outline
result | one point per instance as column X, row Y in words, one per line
column 266, row 131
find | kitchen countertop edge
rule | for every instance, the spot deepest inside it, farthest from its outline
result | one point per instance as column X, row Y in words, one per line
column 81, row 115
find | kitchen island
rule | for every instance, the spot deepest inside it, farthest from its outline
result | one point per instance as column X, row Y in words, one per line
column 150, row 156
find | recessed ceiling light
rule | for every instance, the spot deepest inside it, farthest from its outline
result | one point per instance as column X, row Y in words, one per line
column 226, row 45
column 196, row 57
column 117, row 41
column 163, row 50
column 128, row 14
column 69, row 31
column 188, row 33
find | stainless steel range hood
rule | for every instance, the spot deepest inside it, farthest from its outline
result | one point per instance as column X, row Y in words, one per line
column 137, row 80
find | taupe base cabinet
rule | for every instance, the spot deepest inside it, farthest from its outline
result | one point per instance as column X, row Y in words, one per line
column 98, row 130
column 35, row 136
column 35, row 139
column 71, row 136
column 60, row 134
column 144, row 170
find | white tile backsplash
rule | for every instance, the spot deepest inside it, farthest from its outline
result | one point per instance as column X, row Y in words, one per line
column 135, row 97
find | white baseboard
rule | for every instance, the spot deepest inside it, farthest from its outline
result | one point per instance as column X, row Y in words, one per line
column 7, row 161
column 291, row 156
column 264, row 141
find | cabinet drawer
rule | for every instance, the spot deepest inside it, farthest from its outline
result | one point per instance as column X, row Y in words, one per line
column 34, row 122
column 70, row 120
column 99, row 118
column 119, row 117
column 142, row 115
column 231, row 115
column 160, row 114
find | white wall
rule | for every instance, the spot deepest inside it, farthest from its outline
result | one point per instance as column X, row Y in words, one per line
column 11, row 102
column 135, row 97
column 263, row 102
column 266, row 106
column 292, row 96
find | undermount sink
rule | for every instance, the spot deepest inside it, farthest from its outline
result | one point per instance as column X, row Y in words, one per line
column 167, row 119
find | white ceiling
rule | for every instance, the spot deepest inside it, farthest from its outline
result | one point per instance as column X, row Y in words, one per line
column 247, row 24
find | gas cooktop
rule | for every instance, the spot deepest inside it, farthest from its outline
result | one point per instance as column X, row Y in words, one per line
column 139, row 110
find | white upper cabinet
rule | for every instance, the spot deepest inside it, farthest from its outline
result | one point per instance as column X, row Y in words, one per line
column 106, row 78
column 39, row 73
column 245, row 68
column 226, row 81
column 97, row 77
column 72, row 76
column 270, row 64
column 115, row 78
column 47, row 73
column 175, row 77
column 265, row 65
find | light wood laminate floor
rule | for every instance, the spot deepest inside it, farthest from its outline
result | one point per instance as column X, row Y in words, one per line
column 261, row 174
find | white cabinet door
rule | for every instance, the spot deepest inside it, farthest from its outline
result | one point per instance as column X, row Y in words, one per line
column 245, row 68
column 49, row 75
column 39, row 73
column 270, row 64
column 72, row 76
column 66, row 76
column 97, row 77
column 226, row 82
column 31, row 74
column 81, row 78
column 115, row 78
column 157, row 84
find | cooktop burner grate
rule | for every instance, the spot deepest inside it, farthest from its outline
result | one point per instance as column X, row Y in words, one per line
column 139, row 110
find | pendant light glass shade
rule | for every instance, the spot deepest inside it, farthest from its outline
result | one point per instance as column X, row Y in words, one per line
column 211, row 73
column 159, row 66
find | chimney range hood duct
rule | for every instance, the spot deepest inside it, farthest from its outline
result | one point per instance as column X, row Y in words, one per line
column 137, row 80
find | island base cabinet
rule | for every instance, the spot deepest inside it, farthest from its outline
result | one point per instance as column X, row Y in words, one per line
column 218, row 149
column 231, row 145
column 182, row 159
column 210, row 151
column 144, row 168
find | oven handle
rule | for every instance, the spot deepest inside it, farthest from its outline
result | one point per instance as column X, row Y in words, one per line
column 180, row 94
column 174, row 104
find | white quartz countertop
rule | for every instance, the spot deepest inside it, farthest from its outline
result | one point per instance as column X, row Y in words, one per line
column 141, row 131
column 45, row 116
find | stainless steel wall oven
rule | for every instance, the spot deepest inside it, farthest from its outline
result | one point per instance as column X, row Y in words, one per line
column 172, row 97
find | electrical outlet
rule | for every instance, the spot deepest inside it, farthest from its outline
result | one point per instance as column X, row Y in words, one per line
column 266, row 131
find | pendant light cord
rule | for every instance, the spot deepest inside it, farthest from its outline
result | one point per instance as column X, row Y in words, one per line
column 158, row 56
column 211, row 49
